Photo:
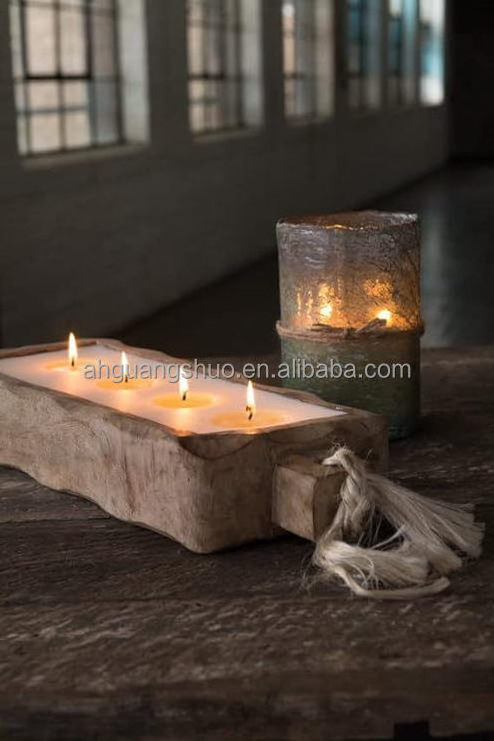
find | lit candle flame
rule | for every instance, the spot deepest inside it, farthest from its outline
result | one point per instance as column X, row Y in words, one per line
column 326, row 311
column 183, row 386
column 250, row 406
column 385, row 315
column 124, row 362
column 72, row 351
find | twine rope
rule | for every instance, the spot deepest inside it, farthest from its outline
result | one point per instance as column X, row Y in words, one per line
column 376, row 328
column 430, row 540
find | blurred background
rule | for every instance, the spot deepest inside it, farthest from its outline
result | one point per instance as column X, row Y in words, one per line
column 147, row 149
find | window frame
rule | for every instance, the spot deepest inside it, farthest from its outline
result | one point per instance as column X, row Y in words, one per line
column 311, row 73
column 437, row 41
column 396, row 49
column 60, row 77
column 360, row 75
column 221, row 78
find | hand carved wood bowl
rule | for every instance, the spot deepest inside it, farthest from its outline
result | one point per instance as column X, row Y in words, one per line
column 207, row 491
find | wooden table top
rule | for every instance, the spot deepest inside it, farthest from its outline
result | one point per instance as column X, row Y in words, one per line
column 111, row 631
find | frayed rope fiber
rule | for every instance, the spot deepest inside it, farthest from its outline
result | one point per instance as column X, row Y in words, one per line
column 430, row 539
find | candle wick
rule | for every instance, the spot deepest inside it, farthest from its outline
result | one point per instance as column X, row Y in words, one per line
column 250, row 412
column 184, row 396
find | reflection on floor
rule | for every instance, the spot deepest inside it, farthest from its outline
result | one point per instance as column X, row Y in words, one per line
column 237, row 315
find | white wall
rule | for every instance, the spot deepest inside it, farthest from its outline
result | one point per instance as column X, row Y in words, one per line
column 95, row 241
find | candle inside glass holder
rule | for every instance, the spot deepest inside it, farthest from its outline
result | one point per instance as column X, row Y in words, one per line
column 350, row 302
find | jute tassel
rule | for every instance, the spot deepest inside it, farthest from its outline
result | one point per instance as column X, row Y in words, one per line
column 429, row 537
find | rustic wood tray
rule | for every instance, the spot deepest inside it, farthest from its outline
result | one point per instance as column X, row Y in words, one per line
column 207, row 491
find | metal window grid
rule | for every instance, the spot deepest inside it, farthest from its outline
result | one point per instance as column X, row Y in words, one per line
column 357, row 68
column 300, row 83
column 89, row 76
column 395, row 55
column 215, row 46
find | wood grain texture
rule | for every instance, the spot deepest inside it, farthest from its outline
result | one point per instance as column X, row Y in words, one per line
column 305, row 496
column 208, row 491
column 111, row 631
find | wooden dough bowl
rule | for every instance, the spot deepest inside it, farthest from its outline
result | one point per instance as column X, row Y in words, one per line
column 207, row 491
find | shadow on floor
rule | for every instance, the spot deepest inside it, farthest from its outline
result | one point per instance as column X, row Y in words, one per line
column 237, row 315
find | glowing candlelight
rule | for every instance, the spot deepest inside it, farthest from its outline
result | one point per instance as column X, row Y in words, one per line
column 122, row 380
column 253, row 418
column 71, row 361
column 184, row 399
column 250, row 405
column 124, row 362
column 385, row 315
column 183, row 386
column 212, row 405
column 326, row 311
column 72, row 351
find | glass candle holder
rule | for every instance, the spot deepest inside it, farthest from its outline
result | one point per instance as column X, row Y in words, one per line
column 350, row 311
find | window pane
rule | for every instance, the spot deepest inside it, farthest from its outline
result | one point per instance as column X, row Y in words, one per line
column 306, row 59
column 105, row 112
column 103, row 5
column 363, row 53
column 215, row 58
column 77, row 133
column 195, row 50
column 73, row 41
column 103, row 45
column 45, row 132
column 40, row 39
column 402, row 43
column 43, row 96
column 214, row 49
column 196, row 105
column 15, row 40
column 66, row 98
column 214, row 111
column 288, row 39
column 75, row 94
column 432, row 51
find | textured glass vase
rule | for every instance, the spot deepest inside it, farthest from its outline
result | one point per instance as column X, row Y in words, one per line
column 350, row 303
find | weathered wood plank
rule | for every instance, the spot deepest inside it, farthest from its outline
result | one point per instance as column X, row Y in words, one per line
column 333, row 669
column 111, row 631
column 326, row 706
column 23, row 499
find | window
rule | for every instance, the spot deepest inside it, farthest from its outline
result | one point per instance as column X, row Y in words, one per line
column 432, row 51
column 363, row 43
column 224, row 64
column 401, row 51
column 66, row 74
column 307, row 62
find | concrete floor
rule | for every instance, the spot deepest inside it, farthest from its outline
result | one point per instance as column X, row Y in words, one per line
column 237, row 315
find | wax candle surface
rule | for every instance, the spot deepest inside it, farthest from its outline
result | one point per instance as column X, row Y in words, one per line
column 273, row 410
column 173, row 400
